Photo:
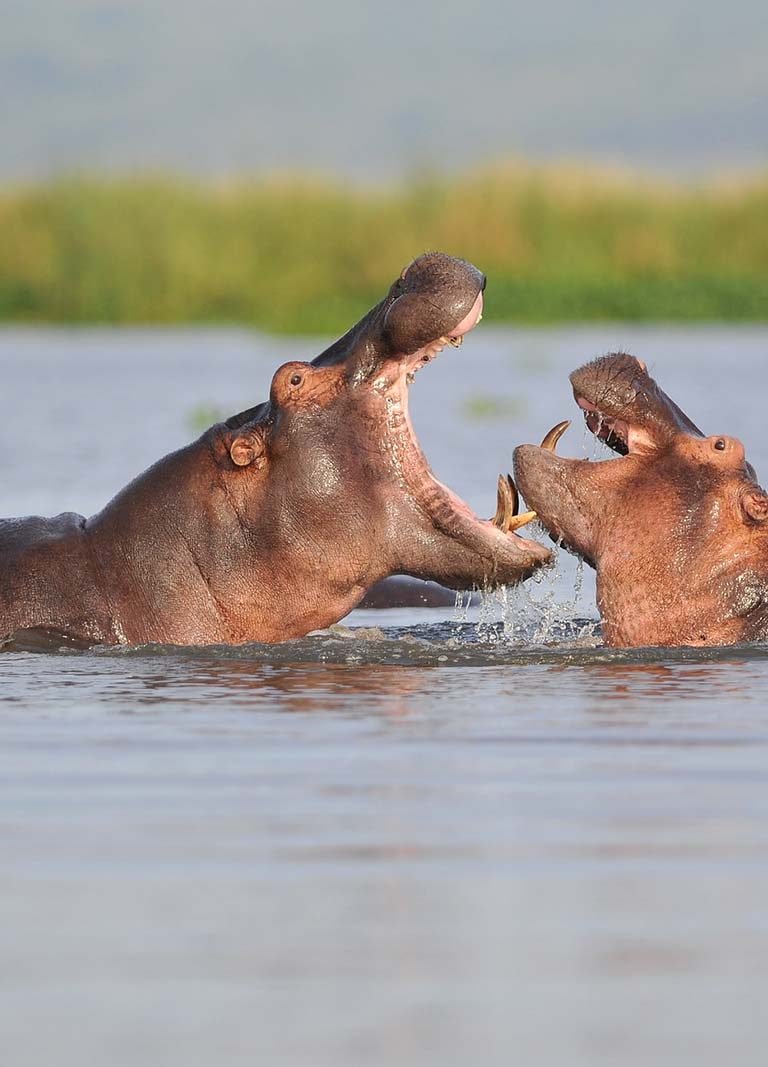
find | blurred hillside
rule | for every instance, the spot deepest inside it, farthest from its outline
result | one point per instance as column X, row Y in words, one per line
column 295, row 255
column 379, row 90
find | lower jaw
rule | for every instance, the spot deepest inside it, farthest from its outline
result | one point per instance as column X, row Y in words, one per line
column 449, row 513
column 429, row 490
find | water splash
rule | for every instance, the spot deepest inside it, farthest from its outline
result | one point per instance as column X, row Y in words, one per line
column 462, row 605
column 443, row 644
column 540, row 611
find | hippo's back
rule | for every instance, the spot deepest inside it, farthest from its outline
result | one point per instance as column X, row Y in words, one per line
column 19, row 536
column 46, row 575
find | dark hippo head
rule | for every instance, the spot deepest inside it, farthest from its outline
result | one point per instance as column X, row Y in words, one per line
column 677, row 528
column 329, row 478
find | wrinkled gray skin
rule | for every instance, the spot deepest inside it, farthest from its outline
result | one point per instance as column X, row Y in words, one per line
column 276, row 522
column 677, row 528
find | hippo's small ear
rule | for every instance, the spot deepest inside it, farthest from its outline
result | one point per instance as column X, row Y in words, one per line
column 755, row 505
column 247, row 449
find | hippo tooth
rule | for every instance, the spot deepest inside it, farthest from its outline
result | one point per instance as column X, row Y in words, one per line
column 506, row 517
column 521, row 520
column 505, row 504
column 554, row 435
column 456, row 341
column 517, row 520
column 515, row 495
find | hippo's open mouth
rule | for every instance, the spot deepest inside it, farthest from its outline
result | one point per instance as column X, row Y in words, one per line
column 616, row 395
column 439, row 500
column 622, row 435
column 615, row 433
column 426, row 530
column 623, row 406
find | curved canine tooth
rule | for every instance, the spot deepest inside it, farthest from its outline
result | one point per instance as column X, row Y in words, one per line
column 505, row 504
column 521, row 520
column 515, row 496
column 554, row 435
column 506, row 517
column 456, row 341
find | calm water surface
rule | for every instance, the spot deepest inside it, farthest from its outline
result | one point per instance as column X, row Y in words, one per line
column 424, row 838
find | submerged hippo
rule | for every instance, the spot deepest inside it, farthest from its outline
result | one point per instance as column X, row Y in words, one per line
column 677, row 529
column 277, row 521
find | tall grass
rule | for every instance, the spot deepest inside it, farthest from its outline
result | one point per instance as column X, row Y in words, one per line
column 294, row 254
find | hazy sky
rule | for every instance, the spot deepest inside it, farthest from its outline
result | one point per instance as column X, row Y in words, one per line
column 373, row 89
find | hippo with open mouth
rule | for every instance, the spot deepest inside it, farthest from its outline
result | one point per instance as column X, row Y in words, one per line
column 677, row 528
column 277, row 521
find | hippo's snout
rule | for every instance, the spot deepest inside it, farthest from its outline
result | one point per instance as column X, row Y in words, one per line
column 611, row 383
column 436, row 301
column 624, row 407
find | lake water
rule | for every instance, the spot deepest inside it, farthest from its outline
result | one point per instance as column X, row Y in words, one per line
column 427, row 837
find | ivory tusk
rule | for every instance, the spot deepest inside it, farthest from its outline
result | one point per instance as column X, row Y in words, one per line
column 505, row 505
column 506, row 517
column 554, row 435
column 521, row 520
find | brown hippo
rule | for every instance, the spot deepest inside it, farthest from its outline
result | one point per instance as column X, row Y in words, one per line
column 677, row 529
column 277, row 521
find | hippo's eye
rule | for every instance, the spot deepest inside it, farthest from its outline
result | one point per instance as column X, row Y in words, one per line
column 296, row 379
column 720, row 444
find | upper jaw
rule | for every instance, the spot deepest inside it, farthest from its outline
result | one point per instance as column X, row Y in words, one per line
column 431, row 299
column 612, row 382
column 625, row 408
column 609, row 390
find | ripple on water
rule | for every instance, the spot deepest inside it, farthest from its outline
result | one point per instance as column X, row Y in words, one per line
column 569, row 642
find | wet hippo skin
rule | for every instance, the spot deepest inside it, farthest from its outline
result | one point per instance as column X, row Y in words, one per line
column 277, row 521
column 676, row 527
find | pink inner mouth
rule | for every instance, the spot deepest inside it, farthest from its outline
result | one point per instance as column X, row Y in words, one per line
column 622, row 436
column 404, row 372
column 614, row 432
